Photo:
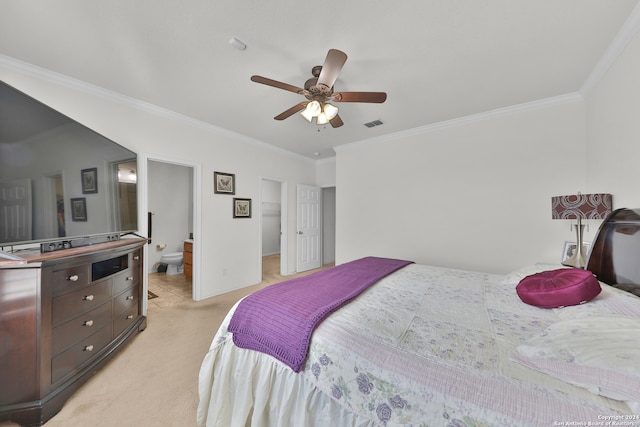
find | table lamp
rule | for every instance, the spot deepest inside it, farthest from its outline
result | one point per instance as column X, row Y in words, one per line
column 579, row 207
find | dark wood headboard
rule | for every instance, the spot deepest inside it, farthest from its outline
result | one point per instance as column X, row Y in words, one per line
column 615, row 253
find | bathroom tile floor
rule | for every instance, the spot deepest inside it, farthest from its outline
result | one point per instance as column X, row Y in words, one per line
column 170, row 289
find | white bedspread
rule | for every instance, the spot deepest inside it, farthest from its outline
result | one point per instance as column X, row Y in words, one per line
column 426, row 346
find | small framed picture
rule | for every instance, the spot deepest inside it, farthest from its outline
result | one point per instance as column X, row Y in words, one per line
column 570, row 249
column 79, row 209
column 241, row 208
column 89, row 180
column 224, row 183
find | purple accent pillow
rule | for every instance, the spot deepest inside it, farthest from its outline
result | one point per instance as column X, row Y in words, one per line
column 558, row 288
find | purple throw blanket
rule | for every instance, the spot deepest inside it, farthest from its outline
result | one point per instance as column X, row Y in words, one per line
column 279, row 320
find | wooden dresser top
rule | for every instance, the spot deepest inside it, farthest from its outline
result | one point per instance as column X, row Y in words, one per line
column 29, row 256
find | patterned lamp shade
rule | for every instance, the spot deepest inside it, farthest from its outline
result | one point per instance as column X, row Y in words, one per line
column 581, row 206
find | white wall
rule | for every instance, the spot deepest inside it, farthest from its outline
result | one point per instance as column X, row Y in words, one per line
column 473, row 195
column 613, row 124
column 477, row 195
column 326, row 172
column 230, row 247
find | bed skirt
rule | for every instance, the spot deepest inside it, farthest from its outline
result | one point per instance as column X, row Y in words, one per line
column 237, row 405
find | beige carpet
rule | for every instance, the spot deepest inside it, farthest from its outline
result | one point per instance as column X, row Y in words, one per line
column 153, row 381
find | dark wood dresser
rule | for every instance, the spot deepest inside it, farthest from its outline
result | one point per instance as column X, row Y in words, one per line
column 63, row 316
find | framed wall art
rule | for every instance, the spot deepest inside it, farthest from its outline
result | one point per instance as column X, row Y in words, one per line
column 79, row 209
column 241, row 208
column 89, row 180
column 224, row 183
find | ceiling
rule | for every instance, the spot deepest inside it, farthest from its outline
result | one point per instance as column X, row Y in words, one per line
column 437, row 60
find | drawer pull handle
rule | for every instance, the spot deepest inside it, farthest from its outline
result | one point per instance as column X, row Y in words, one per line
column 129, row 298
column 88, row 348
column 129, row 317
column 88, row 323
column 129, row 278
column 136, row 257
column 73, row 278
column 88, row 298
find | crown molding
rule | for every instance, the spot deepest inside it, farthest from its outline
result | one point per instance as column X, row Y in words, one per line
column 473, row 118
column 627, row 32
column 40, row 73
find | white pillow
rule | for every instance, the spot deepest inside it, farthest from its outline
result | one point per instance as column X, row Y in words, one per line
column 514, row 277
column 600, row 353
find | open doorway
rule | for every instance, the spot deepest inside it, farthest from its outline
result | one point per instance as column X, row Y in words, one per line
column 273, row 214
column 125, row 194
column 171, row 215
column 328, row 225
column 54, row 212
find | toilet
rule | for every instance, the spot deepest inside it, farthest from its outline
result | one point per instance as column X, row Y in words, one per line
column 173, row 261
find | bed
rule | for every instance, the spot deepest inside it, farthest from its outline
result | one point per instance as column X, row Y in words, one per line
column 431, row 346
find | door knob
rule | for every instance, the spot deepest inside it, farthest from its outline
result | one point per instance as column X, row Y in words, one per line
column 299, row 232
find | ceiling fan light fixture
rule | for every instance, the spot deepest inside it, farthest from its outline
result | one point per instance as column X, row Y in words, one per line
column 322, row 119
column 308, row 115
column 331, row 111
column 312, row 110
column 319, row 89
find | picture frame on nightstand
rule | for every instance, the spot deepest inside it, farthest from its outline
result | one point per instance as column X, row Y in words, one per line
column 570, row 249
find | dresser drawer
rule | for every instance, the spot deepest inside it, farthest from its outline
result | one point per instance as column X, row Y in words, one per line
column 81, row 301
column 72, row 358
column 123, row 320
column 81, row 327
column 71, row 278
column 124, row 280
column 125, row 300
column 136, row 258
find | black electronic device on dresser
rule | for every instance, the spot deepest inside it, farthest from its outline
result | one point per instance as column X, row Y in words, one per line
column 64, row 315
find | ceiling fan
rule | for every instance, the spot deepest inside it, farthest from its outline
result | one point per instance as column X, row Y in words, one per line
column 319, row 91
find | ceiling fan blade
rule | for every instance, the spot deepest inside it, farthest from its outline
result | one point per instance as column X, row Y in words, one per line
column 332, row 65
column 336, row 122
column 279, row 85
column 376, row 97
column 291, row 111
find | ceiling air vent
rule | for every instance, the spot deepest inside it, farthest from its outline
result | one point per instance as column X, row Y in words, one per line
column 373, row 123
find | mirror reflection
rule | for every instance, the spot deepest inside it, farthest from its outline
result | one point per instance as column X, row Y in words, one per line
column 58, row 178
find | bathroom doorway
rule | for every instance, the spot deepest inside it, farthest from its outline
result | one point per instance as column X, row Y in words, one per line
column 171, row 216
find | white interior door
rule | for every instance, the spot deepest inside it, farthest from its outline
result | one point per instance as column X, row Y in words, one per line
column 15, row 210
column 309, row 227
